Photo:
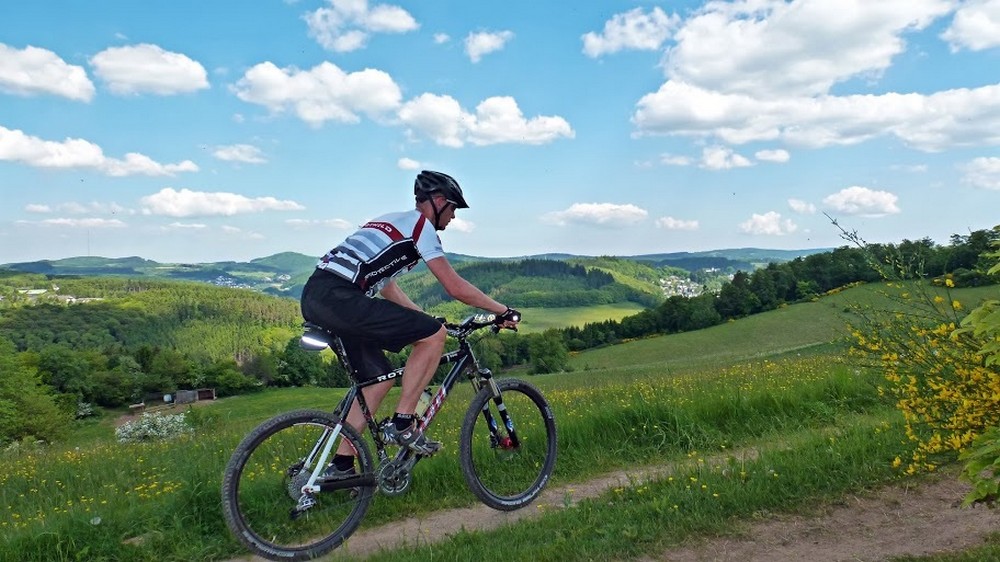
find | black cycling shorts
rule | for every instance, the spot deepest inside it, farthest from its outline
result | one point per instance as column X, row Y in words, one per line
column 366, row 326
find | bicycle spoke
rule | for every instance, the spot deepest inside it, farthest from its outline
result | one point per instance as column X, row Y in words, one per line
column 504, row 469
column 269, row 511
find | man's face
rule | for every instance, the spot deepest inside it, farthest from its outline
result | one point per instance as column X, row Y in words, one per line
column 447, row 211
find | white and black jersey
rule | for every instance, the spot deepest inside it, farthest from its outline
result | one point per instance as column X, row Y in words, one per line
column 382, row 249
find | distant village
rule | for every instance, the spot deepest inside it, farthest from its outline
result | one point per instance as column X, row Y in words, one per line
column 33, row 295
column 680, row 286
column 226, row 281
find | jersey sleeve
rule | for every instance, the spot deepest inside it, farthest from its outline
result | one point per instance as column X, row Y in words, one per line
column 428, row 243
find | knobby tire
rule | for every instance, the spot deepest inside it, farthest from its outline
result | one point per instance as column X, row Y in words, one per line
column 502, row 476
column 257, row 490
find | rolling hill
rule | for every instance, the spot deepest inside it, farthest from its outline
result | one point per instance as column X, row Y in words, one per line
column 283, row 274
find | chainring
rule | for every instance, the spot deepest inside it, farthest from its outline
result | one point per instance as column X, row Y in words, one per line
column 394, row 478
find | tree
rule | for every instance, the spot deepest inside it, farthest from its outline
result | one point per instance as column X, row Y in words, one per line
column 298, row 367
column 548, row 352
column 66, row 370
column 736, row 299
column 171, row 365
column 27, row 407
column 226, row 378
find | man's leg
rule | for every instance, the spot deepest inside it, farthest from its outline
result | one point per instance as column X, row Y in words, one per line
column 373, row 397
column 419, row 370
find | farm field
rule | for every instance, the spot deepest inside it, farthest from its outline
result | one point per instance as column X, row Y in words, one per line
column 804, row 328
column 817, row 424
column 541, row 319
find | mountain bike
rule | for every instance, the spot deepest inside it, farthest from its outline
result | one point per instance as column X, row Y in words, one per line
column 278, row 501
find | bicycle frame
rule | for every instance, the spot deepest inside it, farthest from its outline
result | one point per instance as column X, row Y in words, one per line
column 463, row 360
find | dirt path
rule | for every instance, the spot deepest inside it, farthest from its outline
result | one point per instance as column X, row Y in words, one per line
column 900, row 520
column 895, row 521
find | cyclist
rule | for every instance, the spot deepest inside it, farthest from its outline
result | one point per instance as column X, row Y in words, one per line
column 341, row 296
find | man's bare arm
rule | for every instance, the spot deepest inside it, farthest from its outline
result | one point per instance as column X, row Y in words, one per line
column 460, row 289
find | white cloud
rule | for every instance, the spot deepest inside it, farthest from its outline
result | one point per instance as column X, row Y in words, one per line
column 982, row 172
column 16, row 146
column 323, row 93
column 633, row 29
column 93, row 208
column 461, row 225
column 302, row 224
column 722, row 158
column 245, row 153
column 408, row 164
column 347, row 24
column 80, row 223
column 763, row 70
column 770, row 223
column 187, row 226
column 37, row 208
column 802, row 207
column 441, row 38
column 777, row 155
column 803, row 47
column 950, row 118
column 670, row 223
column 497, row 120
column 33, row 71
column 438, row 117
column 144, row 68
column 141, row 164
column 976, row 26
column 911, row 168
column 675, row 160
column 858, row 200
column 485, row 42
column 602, row 214
column 243, row 234
column 187, row 203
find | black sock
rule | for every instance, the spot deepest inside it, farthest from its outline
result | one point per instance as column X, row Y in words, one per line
column 343, row 462
column 402, row 421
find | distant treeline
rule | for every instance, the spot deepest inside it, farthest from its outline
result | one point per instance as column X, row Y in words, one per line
column 797, row 280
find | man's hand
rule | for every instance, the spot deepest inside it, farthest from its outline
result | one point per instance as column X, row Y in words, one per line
column 509, row 319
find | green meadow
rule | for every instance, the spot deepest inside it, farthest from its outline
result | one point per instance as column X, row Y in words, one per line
column 541, row 319
column 777, row 382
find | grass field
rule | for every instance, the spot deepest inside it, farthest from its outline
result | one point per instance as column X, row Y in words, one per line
column 777, row 381
column 541, row 319
column 811, row 327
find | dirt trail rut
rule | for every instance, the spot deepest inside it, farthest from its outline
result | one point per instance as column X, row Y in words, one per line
column 915, row 519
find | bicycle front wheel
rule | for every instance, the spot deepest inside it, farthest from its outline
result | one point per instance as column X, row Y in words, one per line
column 508, row 445
column 262, row 495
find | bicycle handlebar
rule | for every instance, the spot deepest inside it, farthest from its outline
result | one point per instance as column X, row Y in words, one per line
column 472, row 323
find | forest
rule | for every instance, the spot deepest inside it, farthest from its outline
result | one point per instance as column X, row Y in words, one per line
column 78, row 344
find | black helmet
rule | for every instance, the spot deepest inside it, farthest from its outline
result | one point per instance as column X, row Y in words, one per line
column 429, row 183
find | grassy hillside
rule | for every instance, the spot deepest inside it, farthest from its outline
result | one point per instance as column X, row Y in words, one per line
column 801, row 328
column 198, row 318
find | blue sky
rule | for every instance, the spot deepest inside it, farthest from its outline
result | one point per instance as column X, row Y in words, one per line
column 206, row 131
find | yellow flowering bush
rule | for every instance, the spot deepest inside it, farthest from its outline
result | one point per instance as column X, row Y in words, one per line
column 940, row 365
column 942, row 385
column 982, row 459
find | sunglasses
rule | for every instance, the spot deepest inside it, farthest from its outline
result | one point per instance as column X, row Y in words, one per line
column 453, row 204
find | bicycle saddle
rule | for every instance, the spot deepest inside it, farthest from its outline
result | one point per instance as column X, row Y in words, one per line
column 315, row 337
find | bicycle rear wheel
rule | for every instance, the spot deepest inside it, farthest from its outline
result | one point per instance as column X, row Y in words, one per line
column 262, row 495
column 508, row 445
